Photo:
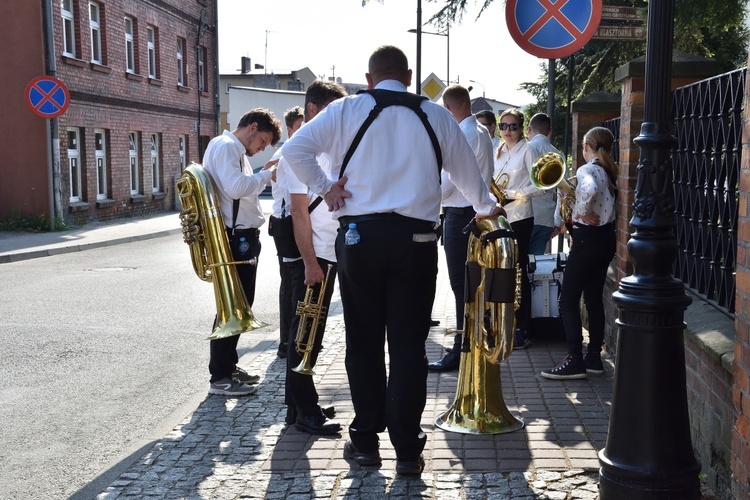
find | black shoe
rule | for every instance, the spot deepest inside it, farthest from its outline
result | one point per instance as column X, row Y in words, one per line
column 522, row 340
column 328, row 411
column 291, row 415
column 593, row 363
column 434, row 322
column 410, row 467
column 448, row 350
column 361, row 457
column 281, row 352
column 447, row 363
column 317, row 424
column 569, row 368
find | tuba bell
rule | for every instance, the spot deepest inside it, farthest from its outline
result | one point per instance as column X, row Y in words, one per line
column 548, row 172
column 203, row 230
column 492, row 293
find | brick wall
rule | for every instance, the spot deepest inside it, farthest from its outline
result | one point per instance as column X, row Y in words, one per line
column 741, row 389
column 106, row 96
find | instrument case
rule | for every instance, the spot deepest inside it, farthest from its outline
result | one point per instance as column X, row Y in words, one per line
column 545, row 276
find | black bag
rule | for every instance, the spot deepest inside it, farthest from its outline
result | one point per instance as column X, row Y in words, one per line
column 282, row 231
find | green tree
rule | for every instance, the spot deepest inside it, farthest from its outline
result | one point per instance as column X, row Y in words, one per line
column 708, row 28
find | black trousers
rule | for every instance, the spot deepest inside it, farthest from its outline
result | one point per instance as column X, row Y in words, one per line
column 456, row 244
column 286, row 310
column 522, row 230
column 224, row 358
column 585, row 272
column 300, row 392
column 387, row 286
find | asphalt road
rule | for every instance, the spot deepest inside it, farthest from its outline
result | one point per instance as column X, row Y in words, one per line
column 104, row 353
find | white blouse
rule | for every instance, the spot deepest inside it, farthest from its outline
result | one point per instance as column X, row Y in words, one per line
column 517, row 164
column 592, row 195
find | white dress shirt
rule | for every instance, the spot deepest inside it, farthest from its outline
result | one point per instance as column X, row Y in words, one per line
column 233, row 179
column 592, row 195
column 480, row 142
column 544, row 205
column 517, row 164
column 394, row 168
column 276, row 191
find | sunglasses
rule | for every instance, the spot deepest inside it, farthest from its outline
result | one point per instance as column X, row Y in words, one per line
column 509, row 126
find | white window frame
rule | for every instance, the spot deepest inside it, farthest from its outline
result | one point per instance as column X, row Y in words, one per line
column 135, row 182
column 182, row 140
column 95, row 11
column 100, row 157
column 155, row 166
column 180, row 62
column 74, row 163
column 69, row 28
column 129, row 45
column 151, row 32
column 201, row 68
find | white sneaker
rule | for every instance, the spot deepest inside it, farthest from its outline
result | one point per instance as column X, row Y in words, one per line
column 229, row 387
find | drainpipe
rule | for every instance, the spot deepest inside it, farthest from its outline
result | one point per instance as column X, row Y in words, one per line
column 217, row 101
column 53, row 133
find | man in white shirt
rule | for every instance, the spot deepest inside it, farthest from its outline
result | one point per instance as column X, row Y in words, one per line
column 458, row 212
column 315, row 234
column 488, row 120
column 391, row 192
column 540, row 130
column 237, row 189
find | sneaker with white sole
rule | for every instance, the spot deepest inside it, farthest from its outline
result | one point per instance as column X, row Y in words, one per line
column 230, row 387
column 242, row 376
column 593, row 363
column 569, row 368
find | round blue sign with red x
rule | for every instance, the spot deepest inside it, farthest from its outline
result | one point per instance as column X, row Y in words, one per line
column 552, row 28
column 47, row 96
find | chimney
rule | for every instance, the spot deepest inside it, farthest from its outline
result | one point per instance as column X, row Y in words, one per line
column 245, row 65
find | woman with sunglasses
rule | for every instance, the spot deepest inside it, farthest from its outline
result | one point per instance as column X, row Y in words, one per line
column 513, row 162
column 592, row 228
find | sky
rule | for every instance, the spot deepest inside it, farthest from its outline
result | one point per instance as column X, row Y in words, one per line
column 336, row 38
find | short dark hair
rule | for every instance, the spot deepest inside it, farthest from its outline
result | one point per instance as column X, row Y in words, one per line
column 321, row 93
column 292, row 115
column 388, row 61
column 540, row 123
column 265, row 120
column 457, row 94
column 487, row 115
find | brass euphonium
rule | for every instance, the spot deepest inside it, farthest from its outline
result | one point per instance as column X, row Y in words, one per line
column 492, row 294
column 312, row 309
column 203, row 230
column 548, row 172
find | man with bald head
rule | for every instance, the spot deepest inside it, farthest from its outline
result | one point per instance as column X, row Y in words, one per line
column 388, row 161
column 458, row 212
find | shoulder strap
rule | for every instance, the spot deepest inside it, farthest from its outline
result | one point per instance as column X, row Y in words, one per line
column 383, row 99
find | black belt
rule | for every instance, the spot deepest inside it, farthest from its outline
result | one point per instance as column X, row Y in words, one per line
column 253, row 231
column 389, row 216
column 458, row 210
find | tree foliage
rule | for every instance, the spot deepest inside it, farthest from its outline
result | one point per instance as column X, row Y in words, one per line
column 708, row 28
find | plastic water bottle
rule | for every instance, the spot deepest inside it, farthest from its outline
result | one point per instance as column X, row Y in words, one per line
column 244, row 246
column 352, row 235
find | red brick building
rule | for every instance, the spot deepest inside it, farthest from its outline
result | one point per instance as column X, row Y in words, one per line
column 141, row 76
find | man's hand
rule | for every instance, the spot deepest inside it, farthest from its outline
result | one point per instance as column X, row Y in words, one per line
column 271, row 164
column 498, row 210
column 313, row 274
column 336, row 196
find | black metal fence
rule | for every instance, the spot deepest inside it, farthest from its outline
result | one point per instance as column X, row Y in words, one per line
column 708, row 126
column 613, row 126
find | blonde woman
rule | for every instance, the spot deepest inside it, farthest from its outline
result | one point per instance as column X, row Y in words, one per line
column 592, row 228
column 513, row 162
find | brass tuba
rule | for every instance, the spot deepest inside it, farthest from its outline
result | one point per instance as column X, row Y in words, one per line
column 492, row 294
column 548, row 172
column 310, row 308
column 203, row 230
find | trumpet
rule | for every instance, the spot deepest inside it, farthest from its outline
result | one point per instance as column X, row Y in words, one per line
column 497, row 188
column 311, row 308
column 548, row 172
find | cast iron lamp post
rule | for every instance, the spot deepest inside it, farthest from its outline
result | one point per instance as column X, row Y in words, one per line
column 649, row 453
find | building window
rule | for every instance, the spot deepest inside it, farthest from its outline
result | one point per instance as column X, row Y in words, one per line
column 202, row 75
column 129, row 46
column 181, row 76
column 134, row 177
column 152, row 73
column 96, row 33
column 74, row 164
column 183, row 152
column 100, row 149
column 155, row 173
column 69, row 29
